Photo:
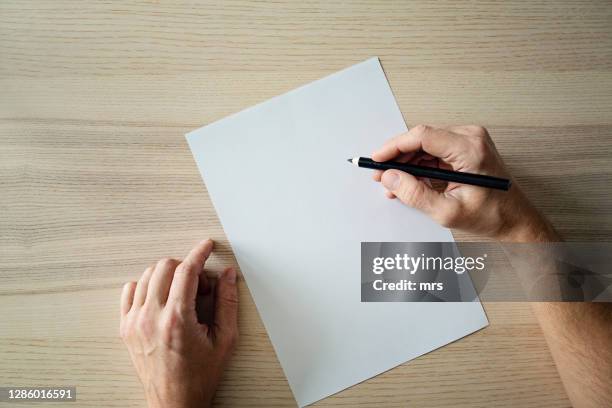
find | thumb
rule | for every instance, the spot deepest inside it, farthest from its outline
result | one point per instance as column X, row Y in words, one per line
column 417, row 194
column 226, row 309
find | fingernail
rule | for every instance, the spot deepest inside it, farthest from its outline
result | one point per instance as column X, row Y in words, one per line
column 206, row 240
column 230, row 275
column 391, row 180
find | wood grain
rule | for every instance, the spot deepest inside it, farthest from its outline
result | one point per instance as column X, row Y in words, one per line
column 97, row 180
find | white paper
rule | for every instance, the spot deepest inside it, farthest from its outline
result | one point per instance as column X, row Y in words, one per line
column 295, row 213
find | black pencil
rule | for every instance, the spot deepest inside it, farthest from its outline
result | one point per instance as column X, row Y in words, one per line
column 435, row 173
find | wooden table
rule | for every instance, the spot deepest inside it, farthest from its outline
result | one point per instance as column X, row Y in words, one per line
column 97, row 180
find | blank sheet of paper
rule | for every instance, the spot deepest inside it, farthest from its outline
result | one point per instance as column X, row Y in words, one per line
column 295, row 213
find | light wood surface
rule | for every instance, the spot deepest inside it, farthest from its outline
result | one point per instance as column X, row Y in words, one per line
column 97, row 181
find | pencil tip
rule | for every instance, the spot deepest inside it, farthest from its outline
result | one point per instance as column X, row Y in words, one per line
column 349, row 160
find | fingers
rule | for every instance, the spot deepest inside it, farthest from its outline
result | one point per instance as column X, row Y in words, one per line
column 141, row 287
column 127, row 297
column 161, row 279
column 440, row 143
column 184, row 286
column 402, row 158
column 415, row 193
column 376, row 175
column 226, row 308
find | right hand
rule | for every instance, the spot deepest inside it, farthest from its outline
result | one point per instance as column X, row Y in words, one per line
column 501, row 215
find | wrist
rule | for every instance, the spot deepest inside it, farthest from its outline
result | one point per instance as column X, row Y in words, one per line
column 179, row 403
column 524, row 223
column 531, row 231
column 178, row 397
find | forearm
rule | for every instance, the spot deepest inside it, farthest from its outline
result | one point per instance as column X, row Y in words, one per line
column 578, row 334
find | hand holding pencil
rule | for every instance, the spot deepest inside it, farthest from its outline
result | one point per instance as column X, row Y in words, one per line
column 457, row 150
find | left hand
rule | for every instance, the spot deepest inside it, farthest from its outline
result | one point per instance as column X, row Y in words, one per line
column 178, row 360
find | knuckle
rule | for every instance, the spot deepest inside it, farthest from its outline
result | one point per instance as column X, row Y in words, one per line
column 478, row 131
column 165, row 263
column 172, row 328
column 126, row 329
column 229, row 340
column 411, row 195
column 186, row 268
column 230, row 298
column 171, row 322
column 420, row 129
column 480, row 146
column 187, row 274
column 145, row 326
column 180, row 268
